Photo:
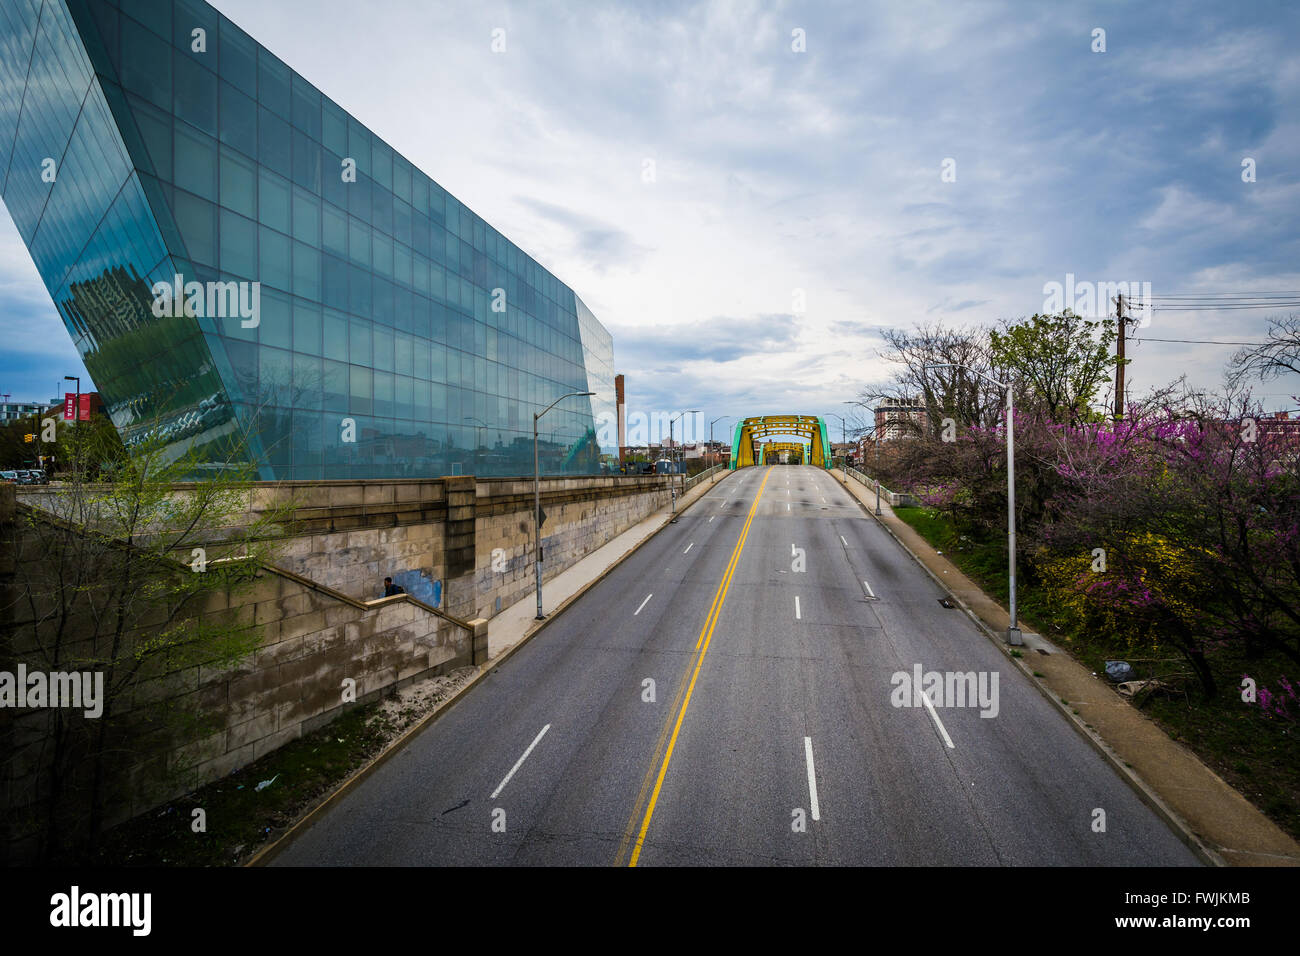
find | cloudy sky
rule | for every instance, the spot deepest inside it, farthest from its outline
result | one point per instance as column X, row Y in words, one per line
column 745, row 217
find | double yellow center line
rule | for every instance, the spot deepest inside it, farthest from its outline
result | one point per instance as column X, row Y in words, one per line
column 684, row 697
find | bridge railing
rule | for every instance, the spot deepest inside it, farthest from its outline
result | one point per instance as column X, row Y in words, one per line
column 895, row 499
column 696, row 479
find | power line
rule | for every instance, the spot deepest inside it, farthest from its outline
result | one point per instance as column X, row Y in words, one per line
column 1218, row 307
column 1229, row 295
column 1145, row 338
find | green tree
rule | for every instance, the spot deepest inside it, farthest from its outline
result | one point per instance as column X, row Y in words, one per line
column 125, row 578
column 1059, row 362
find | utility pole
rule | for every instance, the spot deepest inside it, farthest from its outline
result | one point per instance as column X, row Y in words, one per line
column 1119, row 360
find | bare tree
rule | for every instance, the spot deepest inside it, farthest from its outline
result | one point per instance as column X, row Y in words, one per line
column 1279, row 355
column 952, row 392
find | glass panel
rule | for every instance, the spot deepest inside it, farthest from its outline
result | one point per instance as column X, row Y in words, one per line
column 146, row 64
column 383, row 255
column 273, row 142
column 156, row 130
column 238, row 120
column 381, row 163
column 273, row 202
column 383, row 348
column 334, row 275
column 306, row 327
column 238, row 245
column 358, row 242
column 335, row 335
column 276, row 327
column 306, row 107
column 197, row 221
column 306, row 161
column 358, row 290
column 306, row 271
column 334, row 127
column 274, row 258
column 402, row 357
column 360, row 402
column 272, row 83
column 359, row 341
column 238, row 183
column 334, row 235
column 401, row 178
column 195, row 94
column 306, row 217
column 335, row 382
column 196, row 162
column 307, row 381
column 238, row 58
column 383, row 382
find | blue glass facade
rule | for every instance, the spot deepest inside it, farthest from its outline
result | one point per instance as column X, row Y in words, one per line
column 396, row 333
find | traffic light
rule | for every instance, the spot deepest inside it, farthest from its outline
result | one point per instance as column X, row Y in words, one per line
column 29, row 438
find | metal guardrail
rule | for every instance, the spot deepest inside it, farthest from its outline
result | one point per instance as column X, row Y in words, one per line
column 896, row 499
column 695, row 479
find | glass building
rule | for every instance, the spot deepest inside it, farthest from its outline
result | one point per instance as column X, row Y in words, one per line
column 337, row 306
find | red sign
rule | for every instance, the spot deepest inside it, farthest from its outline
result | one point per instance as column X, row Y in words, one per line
column 70, row 402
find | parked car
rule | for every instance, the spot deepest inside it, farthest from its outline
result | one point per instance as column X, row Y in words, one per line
column 25, row 477
column 9, row 477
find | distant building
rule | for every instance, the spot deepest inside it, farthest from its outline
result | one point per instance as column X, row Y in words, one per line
column 12, row 411
column 894, row 414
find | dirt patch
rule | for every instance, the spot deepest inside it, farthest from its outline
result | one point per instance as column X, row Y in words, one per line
column 257, row 803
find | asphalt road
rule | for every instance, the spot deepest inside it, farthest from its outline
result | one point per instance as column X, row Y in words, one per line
column 773, row 631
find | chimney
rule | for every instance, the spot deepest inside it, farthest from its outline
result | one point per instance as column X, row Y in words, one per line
column 622, row 418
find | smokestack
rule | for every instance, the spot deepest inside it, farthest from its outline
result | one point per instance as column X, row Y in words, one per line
column 622, row 418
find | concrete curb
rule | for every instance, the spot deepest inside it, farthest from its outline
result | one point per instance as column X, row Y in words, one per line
column 1140, row 787
column 273, row 849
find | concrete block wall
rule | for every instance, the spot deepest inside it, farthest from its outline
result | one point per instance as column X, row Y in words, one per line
column 317, row 628
column 471, row 535
column 579, row 519
column 312, row 640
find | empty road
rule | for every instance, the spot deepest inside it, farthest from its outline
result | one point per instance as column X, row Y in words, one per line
column 728, row 696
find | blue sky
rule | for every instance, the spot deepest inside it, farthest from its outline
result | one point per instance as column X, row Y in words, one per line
column 820, row 171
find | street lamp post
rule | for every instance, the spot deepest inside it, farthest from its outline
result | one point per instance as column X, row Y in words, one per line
column 875, row 440
column 479, row 424
column 672, row 478
column 844, row 440
column 713, row 458
column 1013, row 631
column 537, row 502
column 76, row 417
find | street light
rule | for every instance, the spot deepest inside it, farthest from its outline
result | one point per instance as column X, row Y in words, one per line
column 76, row 416
column 1013, row 631
column 875, row 440
column 672, row 478
column 712, row 456
column 537, row 501
column 479, row 423
column 844, row 440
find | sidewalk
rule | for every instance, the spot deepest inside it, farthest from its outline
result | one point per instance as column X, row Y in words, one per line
column 1216, row 821
column 517, row 623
